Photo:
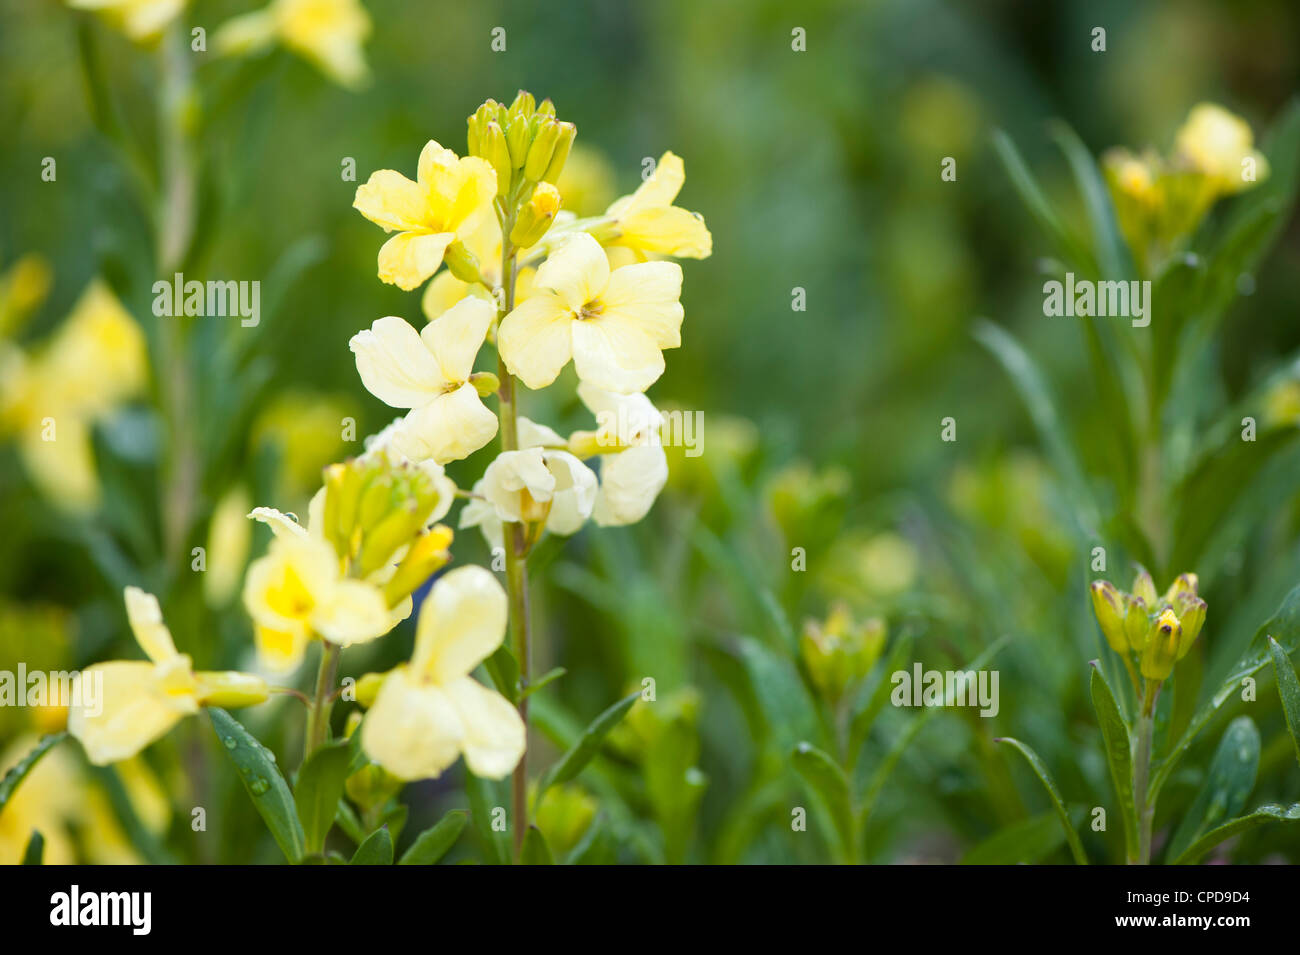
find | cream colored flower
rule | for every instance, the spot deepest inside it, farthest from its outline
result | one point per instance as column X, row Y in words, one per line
column 1221, row 145
column 143, row 21
column 139, row 702
column 448, row 201
column 634, row 467
column 614, row 325
column 541, row 484
column 428, row 372
column 328, row 33
column 484, row 243
column 431, row 711
column 647, row 220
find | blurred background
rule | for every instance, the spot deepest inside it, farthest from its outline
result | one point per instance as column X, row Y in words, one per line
column 815, row 170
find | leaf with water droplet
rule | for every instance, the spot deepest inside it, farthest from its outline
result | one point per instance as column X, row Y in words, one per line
column 261, row 777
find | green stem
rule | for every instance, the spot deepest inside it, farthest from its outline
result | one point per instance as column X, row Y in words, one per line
column 318, row 717
column 516, row 547
column 1141, row 771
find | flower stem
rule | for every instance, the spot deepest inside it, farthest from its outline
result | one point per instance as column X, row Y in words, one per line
column 1142, row 770
column 318, row 717
column 516, row 548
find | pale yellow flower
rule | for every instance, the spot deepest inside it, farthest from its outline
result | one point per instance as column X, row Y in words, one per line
column 484, row 243
column 428, row 372
column 1221, row 145
column 328, row 33
column 229, row 539
column 613, row 325
column 119, row 708
column 448, row 200
column 143, row 21
column 431, row 711
column 647, row 220
column 634, row 467
column 541, row 484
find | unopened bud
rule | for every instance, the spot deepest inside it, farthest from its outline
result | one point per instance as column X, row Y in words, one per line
column 429, row 554
column 463, row 264
column 1107, row 604
column 230, row 689
column 536, row 216
column 1145, row 587
column 485, row 383
column 568, row 132
column 492, row 143
column 1161, row 652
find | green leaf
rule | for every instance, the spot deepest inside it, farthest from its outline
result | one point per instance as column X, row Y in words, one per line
column 864, row 718
column 18, row 772
column 1109, row 247
column 535, row 850
column 1288, row 688
column 1045, row 777
column 1041, row 405
column 482, row 799
column 1269, row 813
column 376, row 850
column 503, row 668
column 775, row 687
column 1119, row 755
column 581, row 752
column 263, row 782
column 549, row 677
column 1036, row 201
column 830, row 787
column 1021, row 843
column 432, row 844
column 35, row 850
column 319, row 788
column 1227, row 786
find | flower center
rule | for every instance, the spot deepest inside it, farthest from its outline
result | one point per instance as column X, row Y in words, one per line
column 592, row 309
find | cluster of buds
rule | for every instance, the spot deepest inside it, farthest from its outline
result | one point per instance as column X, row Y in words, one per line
column 377, row 513
column 839, row 652
column 527, row 146
column 1159, row 630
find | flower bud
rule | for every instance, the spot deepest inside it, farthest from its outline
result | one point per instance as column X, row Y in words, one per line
column 1191, row 614
column 518, row 138
column 1145, row 587
column 536, row 216
column 492, row 142
column 1161, row 652
column 429, row 554
column 546, row 108
column 568, row 132
column 1185, row 586
column 539, row 153
column 230, row 689
column 1108, row 607
column 393, row 532
column 838, row 653
column 485, row 383
column 523, row 106
column 1137, row 622
column 368, row 687
column 463, row 264
column 376, row 500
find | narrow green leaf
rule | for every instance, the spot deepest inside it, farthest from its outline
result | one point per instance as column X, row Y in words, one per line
column 319, row 788
column 503, row 668
column 35, row 850
column 1288, row 688
column 432, row 844
column 549, row 677
column 1119, row 755
column 263, row 782
column 864, row 718
column 376, row 850
column 535, row 850
column 1035, row 199
column 1038, row 400
column 1045, row 777
column 1269, row 813
column 1227, row 785
column 1021, row 843
column 829, row 787
column 581, row 753
column 482, row 801
column 1109, row 247
column 18, row 772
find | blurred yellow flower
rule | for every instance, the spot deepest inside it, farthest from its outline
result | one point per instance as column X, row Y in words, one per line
column 448, row 201
column 143, row 21
column 587, row 182
column 23, row 287
column 431, row 711
column 647, row 220
column 229, row 538
column 1221, row 146
column 119, row 708
column 614, row 325
column 328, row 33
column 429, row 372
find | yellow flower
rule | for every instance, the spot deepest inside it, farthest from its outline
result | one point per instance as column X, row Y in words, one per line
column 429, row 372
column 1221, row 146
column 634, row 467
column 119, row 708
column 448, row 201
column 540, row 484
column 229, row 537
column 431, row 711
column 613, row 325
column 143, row 21
column 328, row 33
column 647, row 220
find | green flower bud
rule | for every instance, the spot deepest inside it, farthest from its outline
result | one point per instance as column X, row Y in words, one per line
column 1161, row 652
column 524, row 106
column 1191, row 614
column 377, row 498
column 1108, row 606
column 518, row 138
column 497, row 153
column 546, row 108
column 485, row 383
column 536, row 216
column 1137, row 622
column 1145, row 587
column 429, row 554
column 393, row 531
column 539, row 153
column 463, row 264
column 1184, row 585
column 568, row 133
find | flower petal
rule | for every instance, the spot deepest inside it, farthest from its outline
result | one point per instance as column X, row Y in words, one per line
column 575, row 493
column 462, row 622
column 616, row 354
column 451, row 427
column 391, row 200
column 413, row 730
column 146, row 621
column 394, row 364
column 494, row 737
column 629, row 483
column 131, row 711
column 536, row 339
column 512, row 472
column 455, row 336
column 648, row 294
column 408, row 258
column 352, row 611
column 577, row 271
